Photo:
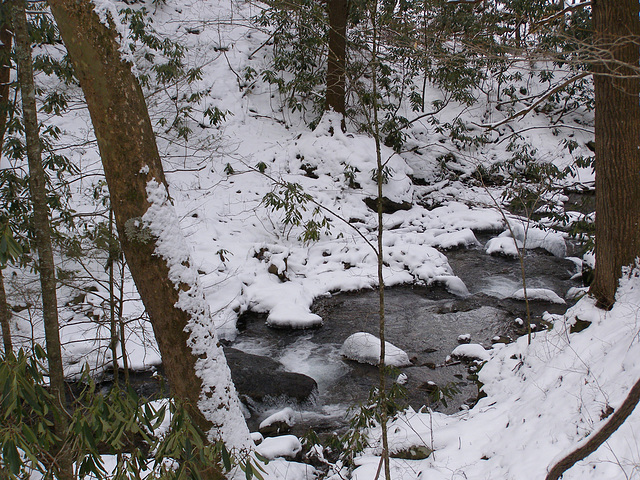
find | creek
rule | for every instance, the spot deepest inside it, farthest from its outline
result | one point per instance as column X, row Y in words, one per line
column 423, row 321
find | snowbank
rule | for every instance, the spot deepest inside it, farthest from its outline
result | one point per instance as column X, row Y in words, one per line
column 542, row 399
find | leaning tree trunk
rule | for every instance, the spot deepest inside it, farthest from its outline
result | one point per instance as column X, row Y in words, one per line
column 165, row 281
column 41, row 227
column 617, row 133
column 336, row 62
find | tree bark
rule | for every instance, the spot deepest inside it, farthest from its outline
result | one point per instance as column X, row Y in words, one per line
column 131, row 163
column 5, row 77
column 617, row 133
column 336, row 62
column 41, row 227
column 4, row 318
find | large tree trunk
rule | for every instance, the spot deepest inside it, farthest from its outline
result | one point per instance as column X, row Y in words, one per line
column 336, row 63
column 167, row 284
column 41, row 227
column 617, row 129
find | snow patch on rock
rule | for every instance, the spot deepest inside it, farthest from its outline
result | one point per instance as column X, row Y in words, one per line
column 540, row 294
column 365, row 348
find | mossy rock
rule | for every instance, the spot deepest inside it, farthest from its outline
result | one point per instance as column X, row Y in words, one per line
column 413, row 453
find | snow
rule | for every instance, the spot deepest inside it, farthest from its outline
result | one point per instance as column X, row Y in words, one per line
column 286, row 415
column 365, row 348
column 282, row 446
column 542, row 399
column 506, row 246
column 472, row 351
column 541, row 294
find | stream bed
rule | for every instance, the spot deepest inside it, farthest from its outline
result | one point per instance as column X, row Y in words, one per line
column 423, row 321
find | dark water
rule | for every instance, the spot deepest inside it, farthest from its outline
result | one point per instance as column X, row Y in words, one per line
column 423, row 321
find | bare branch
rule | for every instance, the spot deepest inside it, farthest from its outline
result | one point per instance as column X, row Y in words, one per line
column 524, row 111
column 594, row 440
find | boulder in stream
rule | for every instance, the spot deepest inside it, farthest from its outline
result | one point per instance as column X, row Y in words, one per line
column 365, row 348
column 261, row 378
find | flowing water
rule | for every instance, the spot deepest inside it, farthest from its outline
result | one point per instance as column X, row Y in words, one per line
column 423, row 321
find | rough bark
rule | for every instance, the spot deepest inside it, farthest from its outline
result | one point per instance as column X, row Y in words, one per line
column 596, row 439
column 130, row 160
column 4, row 318
column 336, row 62
column 617, row 133
column 5, row 77
column 41, row 226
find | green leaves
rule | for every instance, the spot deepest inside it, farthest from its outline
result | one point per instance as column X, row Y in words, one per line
column 10, row 250
column 118, row 422
column 292, row 201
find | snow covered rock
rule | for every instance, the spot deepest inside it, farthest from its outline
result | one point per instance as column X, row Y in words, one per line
column 472, row 351
column 453, row 284
column 284, row 446
column 293, row 315
column 457, row 239
column 279, row 422
column 502, row 246
column 365, row 348
column 540, row 294
column 550, row 241
column 464, row 338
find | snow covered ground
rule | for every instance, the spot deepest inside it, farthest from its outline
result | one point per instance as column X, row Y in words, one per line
column 542, row 398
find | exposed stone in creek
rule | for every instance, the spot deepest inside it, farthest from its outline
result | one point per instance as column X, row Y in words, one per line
column 256, row 377
column 260, row 378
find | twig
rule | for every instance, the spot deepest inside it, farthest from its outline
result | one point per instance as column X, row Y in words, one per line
column 524, row 111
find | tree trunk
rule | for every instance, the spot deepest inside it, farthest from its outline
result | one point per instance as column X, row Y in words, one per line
column 336, row 62
column 41, row 226
column 5, row 77
column 132, row 166
column 617, row 133
column 4, row 318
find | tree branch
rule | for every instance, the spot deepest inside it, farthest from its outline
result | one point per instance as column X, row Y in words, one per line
column 594, row 440
column 524, row 111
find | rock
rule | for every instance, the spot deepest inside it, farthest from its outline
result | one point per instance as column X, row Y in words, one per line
column 471, row 351
column 278, row 423
column 388, row 206
column 413, row 453
column 287, row 446
column 365, row 348
column 259, row 378
column 579, row 325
